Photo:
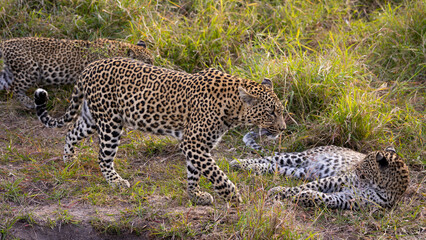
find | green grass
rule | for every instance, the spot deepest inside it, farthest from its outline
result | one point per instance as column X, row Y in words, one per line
column 350, row 73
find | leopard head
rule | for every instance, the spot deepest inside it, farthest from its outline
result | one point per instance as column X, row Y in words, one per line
column 139, row 52
column 262, row 107
column 112, row 48
column 384, row 169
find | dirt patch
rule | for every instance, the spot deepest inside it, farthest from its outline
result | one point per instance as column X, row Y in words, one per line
column 73, row 220
column 24, row 230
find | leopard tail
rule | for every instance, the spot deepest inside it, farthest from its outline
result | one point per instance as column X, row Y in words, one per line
column 41, row 97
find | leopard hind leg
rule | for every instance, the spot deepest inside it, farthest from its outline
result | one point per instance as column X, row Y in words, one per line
column 83, row 128
column 24, row 80
column 109, row 139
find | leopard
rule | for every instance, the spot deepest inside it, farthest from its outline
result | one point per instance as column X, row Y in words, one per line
column 39, row 61
column 339, row 177
column 197, row 109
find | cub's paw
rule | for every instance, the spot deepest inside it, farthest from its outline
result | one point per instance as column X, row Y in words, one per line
column 258, row 168
column 277, row 193
column 245, row 165
column 235, row 164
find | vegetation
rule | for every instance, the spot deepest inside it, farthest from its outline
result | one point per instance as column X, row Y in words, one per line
column 350, row 73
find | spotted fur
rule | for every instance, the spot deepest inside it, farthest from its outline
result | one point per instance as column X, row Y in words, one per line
column 195, row 108
column 319, row 162
column 342, row 178
column 33, row 61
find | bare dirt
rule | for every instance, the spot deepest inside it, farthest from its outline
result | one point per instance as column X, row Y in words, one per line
column 23, row 230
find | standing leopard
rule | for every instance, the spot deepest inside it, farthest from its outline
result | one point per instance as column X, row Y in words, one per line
column 341, row 177
column 32, row 61
column 197, row 108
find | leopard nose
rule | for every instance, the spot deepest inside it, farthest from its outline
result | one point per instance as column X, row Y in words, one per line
column 281, row 124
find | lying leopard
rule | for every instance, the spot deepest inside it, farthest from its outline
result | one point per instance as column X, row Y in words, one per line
column 35, row 61
column 342, row 178
column 195, row 108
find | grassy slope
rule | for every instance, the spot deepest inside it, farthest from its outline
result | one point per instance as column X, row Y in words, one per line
column 351, row 73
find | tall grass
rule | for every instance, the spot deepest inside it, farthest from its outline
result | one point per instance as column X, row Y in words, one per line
column 399, row 48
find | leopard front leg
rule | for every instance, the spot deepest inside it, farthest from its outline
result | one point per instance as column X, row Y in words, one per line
column 194, row 192
column 271, row 165
column 313, row 198
column 325, row 185
column 257, row 166
column 330, row 184
column 199, row 162
column 250, row 141
column 280, row 193
column 330, row 192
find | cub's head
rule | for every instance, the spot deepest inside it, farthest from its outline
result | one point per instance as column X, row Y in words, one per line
column 115, row 48
column 139, row 52
column 386, row 170
column 262, row 107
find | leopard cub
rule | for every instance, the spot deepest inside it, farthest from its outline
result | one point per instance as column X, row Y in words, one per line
column 340, row 177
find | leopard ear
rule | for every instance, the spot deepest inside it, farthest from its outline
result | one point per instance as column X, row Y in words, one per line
column 141, row 44
column 390, row 149
column 247, row 97
column 267, row 83
column 381, row 160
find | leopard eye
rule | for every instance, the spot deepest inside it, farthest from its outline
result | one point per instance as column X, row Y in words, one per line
column 270, row 111
column 269, row 119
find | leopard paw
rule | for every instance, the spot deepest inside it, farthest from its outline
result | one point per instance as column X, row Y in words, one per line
column 235, row 164
column 120, row 183
column 277, row 193
column 202, row 198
